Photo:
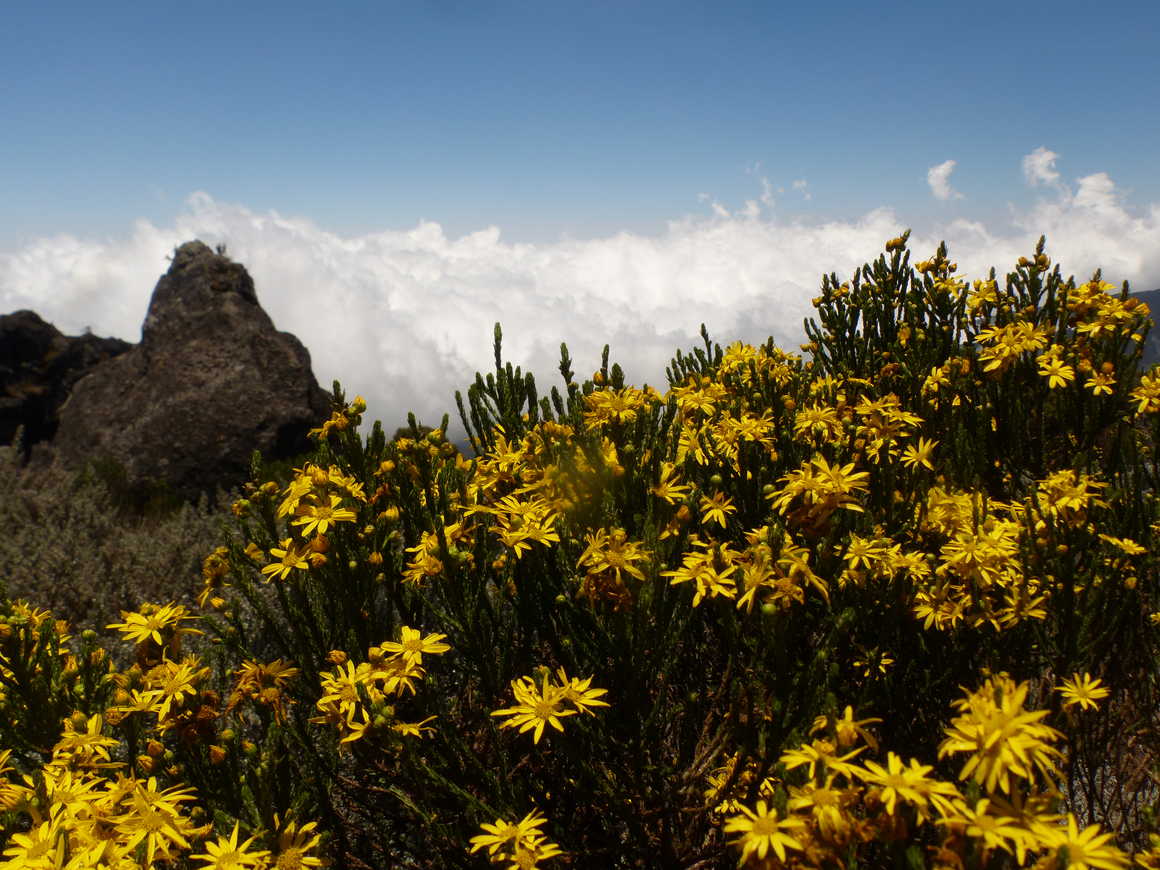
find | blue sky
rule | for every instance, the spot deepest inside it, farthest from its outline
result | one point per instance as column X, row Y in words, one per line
column 561, row 156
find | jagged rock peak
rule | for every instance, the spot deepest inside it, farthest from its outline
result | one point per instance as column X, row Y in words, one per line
column 211, row 381
column 203, row 290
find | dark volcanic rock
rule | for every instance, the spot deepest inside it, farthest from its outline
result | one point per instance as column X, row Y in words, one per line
column 211, row 381
column 38, row 367
column 1151, row 354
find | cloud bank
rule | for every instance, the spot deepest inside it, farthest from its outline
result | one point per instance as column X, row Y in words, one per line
column 405, row 317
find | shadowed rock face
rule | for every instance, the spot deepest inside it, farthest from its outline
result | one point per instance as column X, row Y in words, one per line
column 211, row 381
column 38, row 367
column 1151, row 354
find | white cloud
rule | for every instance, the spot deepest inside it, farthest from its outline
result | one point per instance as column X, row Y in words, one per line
column 938, row 177
column 802, row 185
column 405, row 317
column 1039, row 167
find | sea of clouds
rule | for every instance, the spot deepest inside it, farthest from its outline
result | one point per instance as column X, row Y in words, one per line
column 405, row 318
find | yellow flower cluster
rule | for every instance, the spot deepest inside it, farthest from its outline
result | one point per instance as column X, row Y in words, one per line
column 517, row 845
column 82, row 812
column 357, row 698
column 316, row 498
column 545, row 705
column 1008, row 807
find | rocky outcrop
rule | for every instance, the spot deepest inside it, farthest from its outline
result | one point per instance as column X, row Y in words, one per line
column 38, row 368
column 1151, row 354
column 211, row 381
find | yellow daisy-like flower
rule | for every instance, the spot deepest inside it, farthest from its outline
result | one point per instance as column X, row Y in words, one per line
column 412, row 645
column 155, row 818
column 1004, row 740
column 1057, row 372
column 898, row 782
column 919, row 454
column 296, row 845
column 1101, row 384
column 717, row 509
column 576, row 692
column 1126, row 545
column 1083, row 690
column 528, row 854
column 1085, row 849
column 150, row 621
column 761, row 830
column 318, row 518
column 497, row 836
column 535, row 708
column 847, row 729
column 289, row 557
column 35, row 848
column 227, row 854
column 997, row 831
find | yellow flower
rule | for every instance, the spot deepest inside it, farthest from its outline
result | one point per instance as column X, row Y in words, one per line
column 874, row 660
column 847, row 729
column 35, row 848
column 535, row 708
column 171, row 682
column 528, row 854
column 1101, row 383
column 150, row 621
column 1057, row 372
column 899, row 781
column 915, row 455
column 1126, row 545
column 1147, row 395
column 521, row 521
column 414, row 729
column 711, row 566
column 289, row 557
column 997, row 831
column 412, row 645
column 501, row 833
column 865, row 553
column 823, row 754
column 817, row 423
column 320, row 517
column 1082, row 690
column 576, row 692
column 608, row 406
column 612, row 552
column 155, row 818
column 1004, row 739
column 668, row 487
column 227, row 854
column 717, row 508
column 761, row 831
column 1081, row 850
column 295, row 845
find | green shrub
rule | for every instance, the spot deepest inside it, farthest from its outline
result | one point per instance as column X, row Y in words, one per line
column 86, row 546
